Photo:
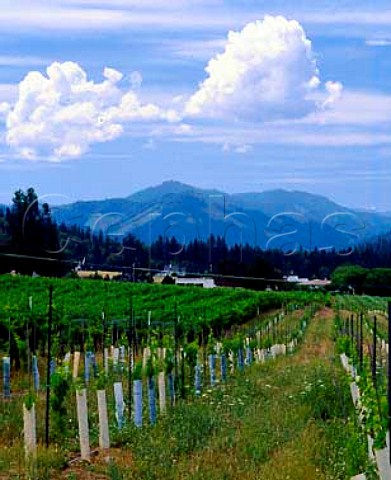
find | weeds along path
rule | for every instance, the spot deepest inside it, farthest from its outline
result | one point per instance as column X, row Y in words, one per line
column 286, row 419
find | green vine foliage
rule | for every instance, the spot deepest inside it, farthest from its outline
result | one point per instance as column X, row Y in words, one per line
column 237, row 343
column 60, row 385
column 344, row 345
column 150, row 368
column 29, row 400
column 374, row 421
column 211, row 347
column 138, row 370
column 89, row 346
column 199, row 309
column 227, row 346
column 169, row 361
column 372, row 409
column 191, row 350
column 101, row 381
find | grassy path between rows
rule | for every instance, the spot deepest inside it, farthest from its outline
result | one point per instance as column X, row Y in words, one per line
column 291, row 418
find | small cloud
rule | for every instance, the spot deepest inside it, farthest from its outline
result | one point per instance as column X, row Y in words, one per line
column 243, row 149
column 112, row 75
column 27, row 153
column 378, row 42
column 334, row 90
column 184, row 129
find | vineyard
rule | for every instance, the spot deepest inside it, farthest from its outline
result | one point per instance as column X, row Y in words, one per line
column 89, row 311
column 362, row 323
column 120, row 380
column 195, row 240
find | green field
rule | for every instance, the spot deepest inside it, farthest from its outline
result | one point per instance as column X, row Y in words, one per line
column 276, row 415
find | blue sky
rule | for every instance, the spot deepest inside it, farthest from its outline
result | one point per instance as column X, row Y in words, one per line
column 300, row 99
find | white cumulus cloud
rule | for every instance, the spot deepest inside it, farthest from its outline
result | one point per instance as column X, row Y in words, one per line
column 267, row 71
column 61, row 114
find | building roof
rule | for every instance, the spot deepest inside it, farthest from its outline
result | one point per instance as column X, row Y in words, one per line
column 101, row 273
column 316, row 282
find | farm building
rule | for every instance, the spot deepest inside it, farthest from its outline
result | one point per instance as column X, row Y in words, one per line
column 163, row 279
column 198, row 281
column 109, row 275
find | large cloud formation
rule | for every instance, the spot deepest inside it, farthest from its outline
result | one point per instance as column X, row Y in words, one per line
column 268, row 71
column 62, row 113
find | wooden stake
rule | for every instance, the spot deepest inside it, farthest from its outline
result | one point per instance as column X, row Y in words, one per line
column 76, row 361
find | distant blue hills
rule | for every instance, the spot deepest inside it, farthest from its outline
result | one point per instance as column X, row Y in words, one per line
column 270, row 219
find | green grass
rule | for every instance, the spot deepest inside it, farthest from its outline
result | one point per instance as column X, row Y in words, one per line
column 290, row 418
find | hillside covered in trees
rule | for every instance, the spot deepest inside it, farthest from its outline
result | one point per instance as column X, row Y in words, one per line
column 30, row 241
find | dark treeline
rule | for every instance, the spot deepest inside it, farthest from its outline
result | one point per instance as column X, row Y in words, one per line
column 27, row 230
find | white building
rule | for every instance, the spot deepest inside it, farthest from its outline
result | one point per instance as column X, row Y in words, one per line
column 199, row 281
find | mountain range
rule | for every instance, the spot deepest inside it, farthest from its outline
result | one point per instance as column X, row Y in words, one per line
column 270, row 219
